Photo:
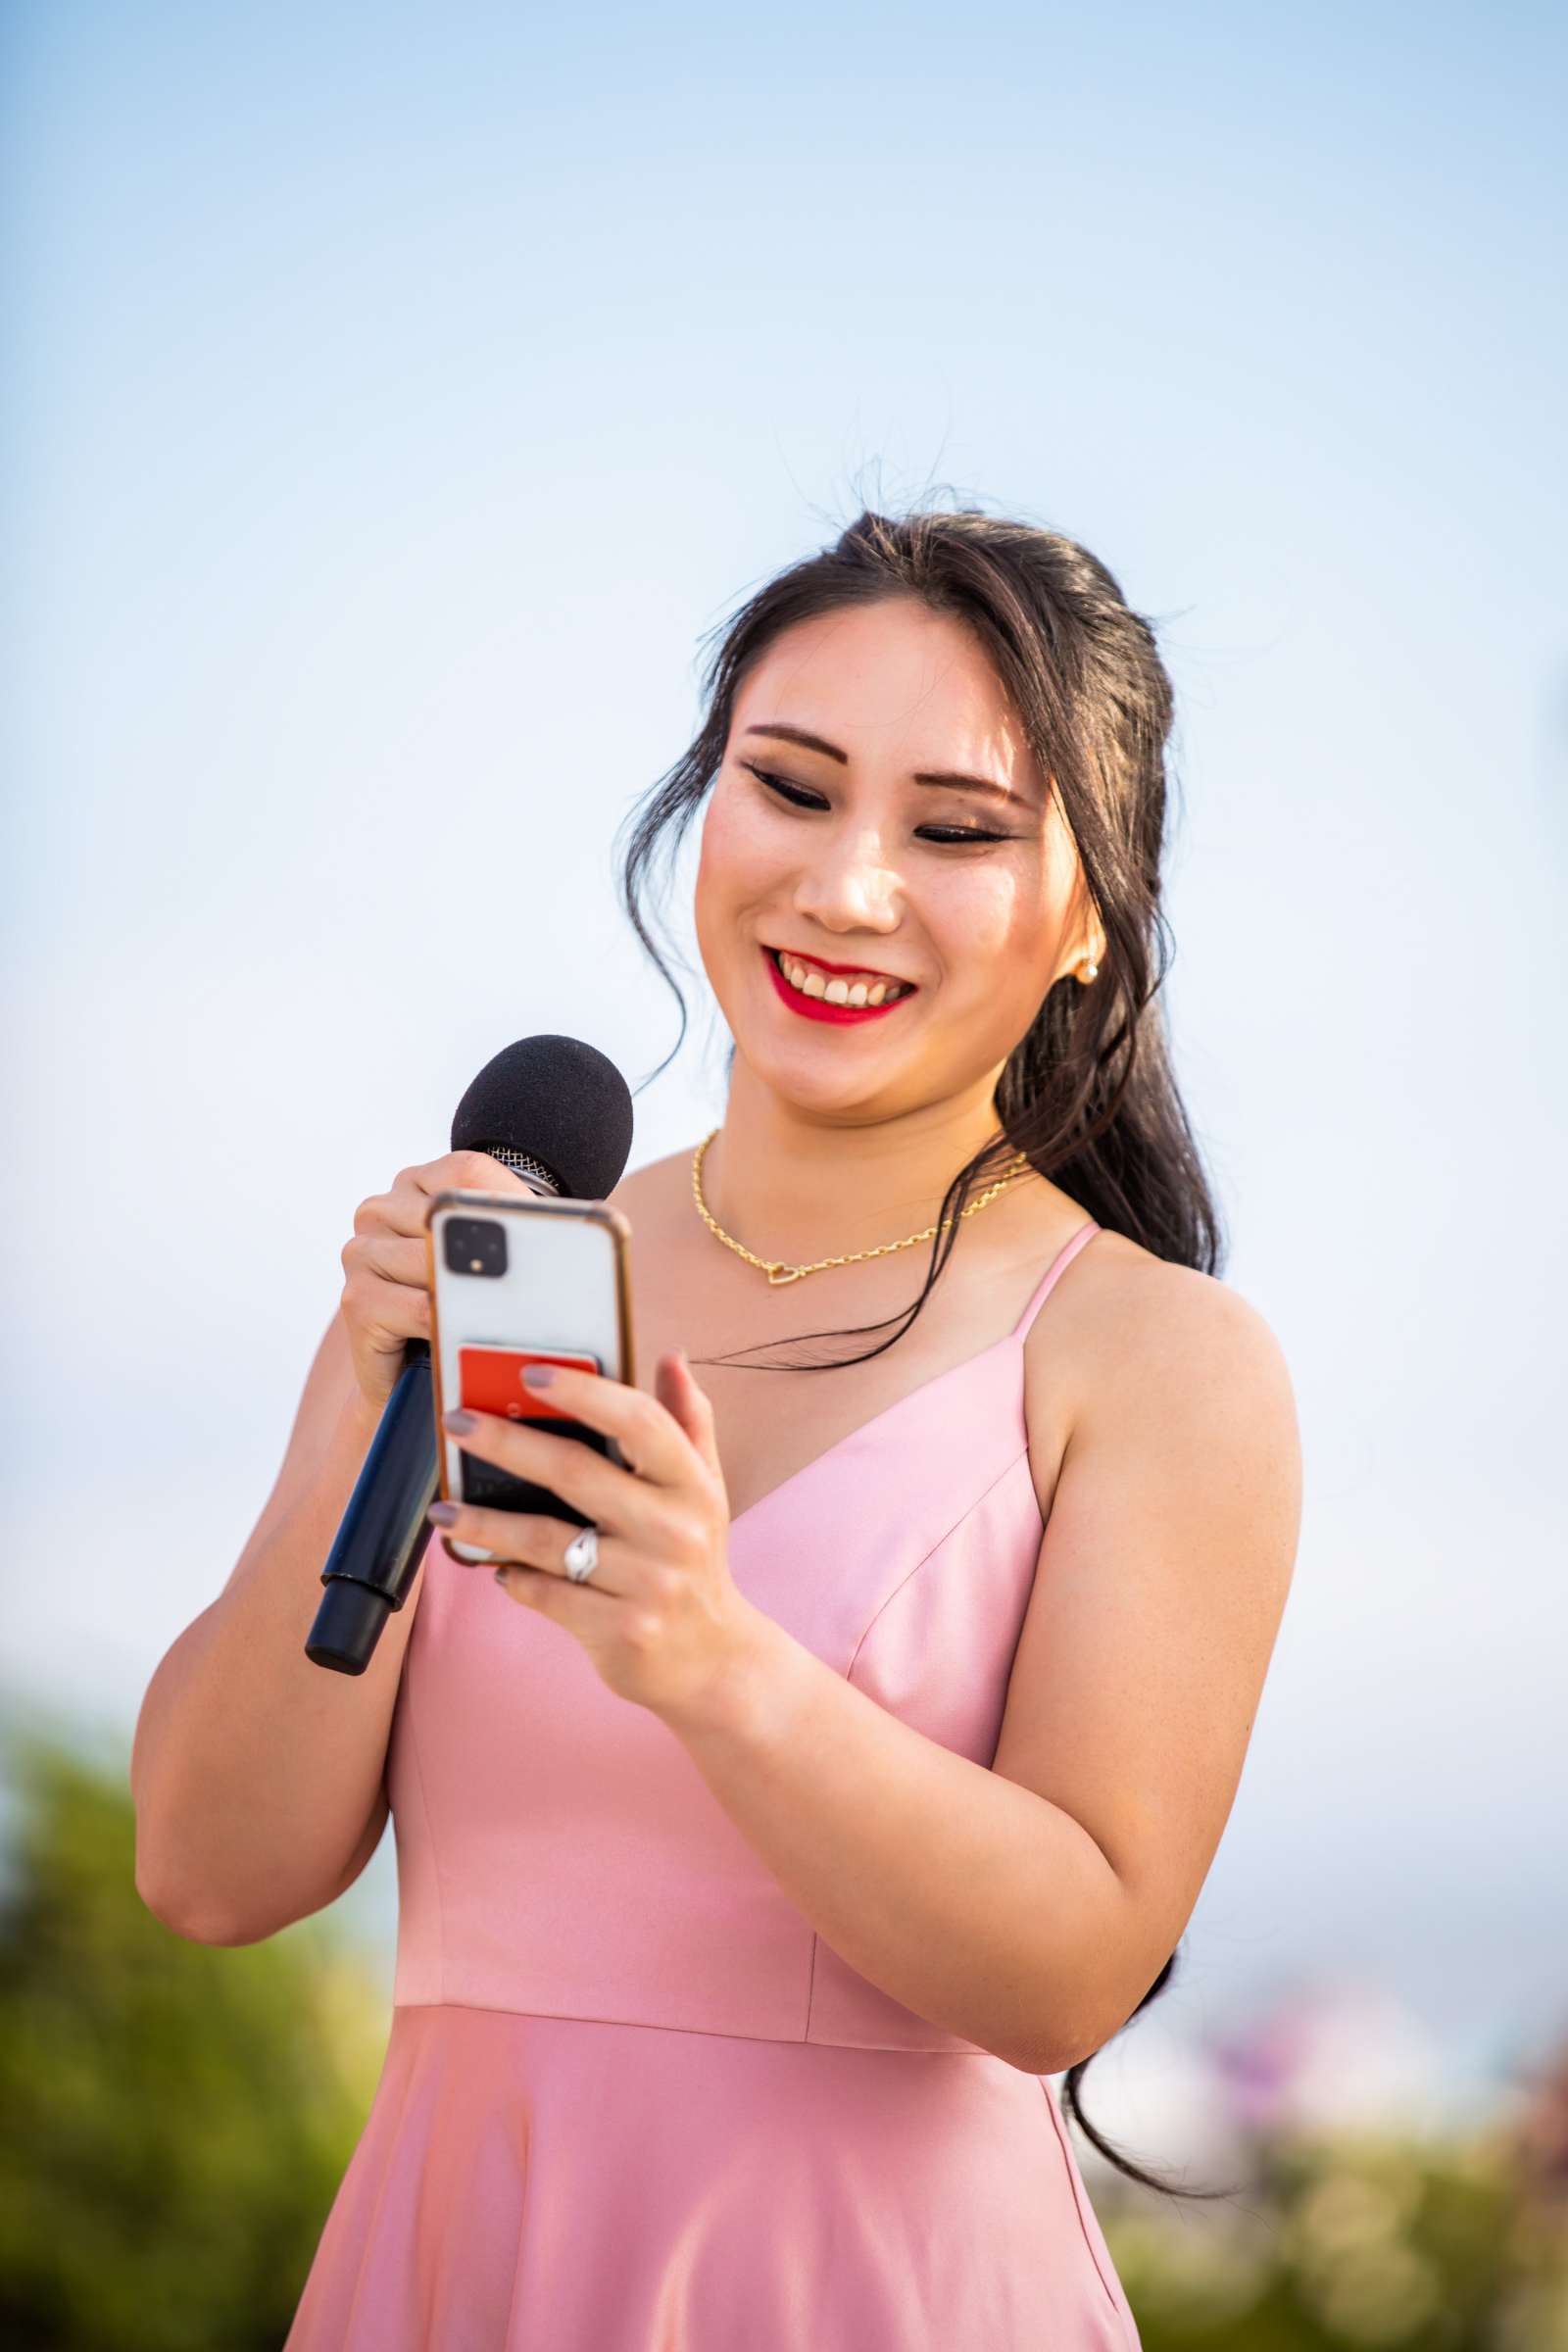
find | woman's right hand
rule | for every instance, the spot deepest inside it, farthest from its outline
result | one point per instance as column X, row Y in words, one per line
column 386, row 1294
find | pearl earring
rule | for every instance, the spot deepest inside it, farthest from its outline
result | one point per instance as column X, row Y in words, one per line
column 1091, row 972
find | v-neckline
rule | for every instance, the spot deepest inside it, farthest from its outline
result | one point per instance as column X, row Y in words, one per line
column 1008, row 1338
column 1015, row 1338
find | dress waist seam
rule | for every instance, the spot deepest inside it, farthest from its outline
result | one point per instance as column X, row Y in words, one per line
column 788, row 2041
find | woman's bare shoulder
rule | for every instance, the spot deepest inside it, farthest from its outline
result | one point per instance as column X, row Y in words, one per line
column 1128, row 1349
column 1135, row 1296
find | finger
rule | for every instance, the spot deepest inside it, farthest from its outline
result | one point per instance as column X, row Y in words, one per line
column 406, row 1209
column 601, row 1490
column 390, row 1255
column 391, row 1312
column 466, row 1172
column 527, row 1539
column 648, row 1434
column 691, row 1405
column 576, row 1606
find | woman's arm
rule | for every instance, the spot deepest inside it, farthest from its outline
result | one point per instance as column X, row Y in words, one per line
column 1029, row 1907
column 257, row 1775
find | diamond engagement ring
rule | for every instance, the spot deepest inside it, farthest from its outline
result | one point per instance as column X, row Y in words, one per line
column 582, row 1554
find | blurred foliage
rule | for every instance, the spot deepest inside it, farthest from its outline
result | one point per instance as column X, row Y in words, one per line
column 180, row 2117
column 177, row 2115
column 1358, row 2239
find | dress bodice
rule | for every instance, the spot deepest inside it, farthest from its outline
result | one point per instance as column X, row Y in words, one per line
column 559, row 1852
column 630, row 2099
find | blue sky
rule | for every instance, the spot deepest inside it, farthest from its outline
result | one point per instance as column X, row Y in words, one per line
column 394, row 397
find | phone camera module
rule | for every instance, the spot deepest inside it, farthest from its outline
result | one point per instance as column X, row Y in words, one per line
column 475, row 1246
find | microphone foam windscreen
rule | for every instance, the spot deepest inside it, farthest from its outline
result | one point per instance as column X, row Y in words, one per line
column 556, row 1100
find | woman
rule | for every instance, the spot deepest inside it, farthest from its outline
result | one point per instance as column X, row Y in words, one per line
column 877, row 1746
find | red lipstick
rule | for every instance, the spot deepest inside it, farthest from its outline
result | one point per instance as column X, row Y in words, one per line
column 817, row 1008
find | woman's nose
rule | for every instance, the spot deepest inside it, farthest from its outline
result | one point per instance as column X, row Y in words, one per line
column 849, row 887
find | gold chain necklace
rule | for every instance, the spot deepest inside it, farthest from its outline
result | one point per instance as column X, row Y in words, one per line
column 777, row 1269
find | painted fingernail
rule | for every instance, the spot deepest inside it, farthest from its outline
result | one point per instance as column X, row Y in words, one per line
column 443, row 1514
column 538, row 1376
column 459, row 1421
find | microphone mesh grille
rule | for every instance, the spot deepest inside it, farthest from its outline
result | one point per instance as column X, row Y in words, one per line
column 522, row 1163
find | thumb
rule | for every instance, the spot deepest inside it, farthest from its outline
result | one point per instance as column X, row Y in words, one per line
column 684, row 1395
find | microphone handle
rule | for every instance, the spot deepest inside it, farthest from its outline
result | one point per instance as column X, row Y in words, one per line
column 382, row 1536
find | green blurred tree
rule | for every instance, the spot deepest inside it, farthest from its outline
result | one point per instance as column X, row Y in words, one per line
column 1354, row 2241
column 177, row 2115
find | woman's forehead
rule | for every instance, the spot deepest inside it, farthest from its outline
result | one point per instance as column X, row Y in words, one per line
column 890, row 683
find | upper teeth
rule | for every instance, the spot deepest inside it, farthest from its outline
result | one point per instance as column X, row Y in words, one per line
column 843, row 988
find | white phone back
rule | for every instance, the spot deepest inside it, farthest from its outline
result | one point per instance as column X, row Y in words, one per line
column 565, row 1287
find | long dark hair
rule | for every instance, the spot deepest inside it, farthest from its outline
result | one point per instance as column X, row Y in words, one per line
column 1087, row 1094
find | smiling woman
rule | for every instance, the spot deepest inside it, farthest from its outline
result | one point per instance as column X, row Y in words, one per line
column 851, row 1765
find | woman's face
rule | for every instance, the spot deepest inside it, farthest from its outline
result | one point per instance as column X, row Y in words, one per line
column 835, row 848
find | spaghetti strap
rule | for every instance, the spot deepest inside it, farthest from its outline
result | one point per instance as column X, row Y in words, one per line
column 1059, row 1265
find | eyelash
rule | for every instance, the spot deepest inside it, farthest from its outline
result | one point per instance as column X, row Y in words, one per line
column 945, row 836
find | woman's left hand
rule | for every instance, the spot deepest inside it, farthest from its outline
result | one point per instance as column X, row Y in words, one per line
column 661, row 1617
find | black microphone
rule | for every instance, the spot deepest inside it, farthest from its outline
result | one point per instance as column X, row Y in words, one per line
column 559, row 1114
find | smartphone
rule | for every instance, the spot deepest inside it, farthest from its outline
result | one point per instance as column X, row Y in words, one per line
column 517, row 1278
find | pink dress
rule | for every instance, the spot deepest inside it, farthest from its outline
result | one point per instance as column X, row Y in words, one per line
column 631, row 2102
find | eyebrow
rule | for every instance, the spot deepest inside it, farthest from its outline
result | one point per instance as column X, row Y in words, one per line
column 949, row 777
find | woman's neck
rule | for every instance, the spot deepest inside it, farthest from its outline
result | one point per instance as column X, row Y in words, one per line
column 798, row 1186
